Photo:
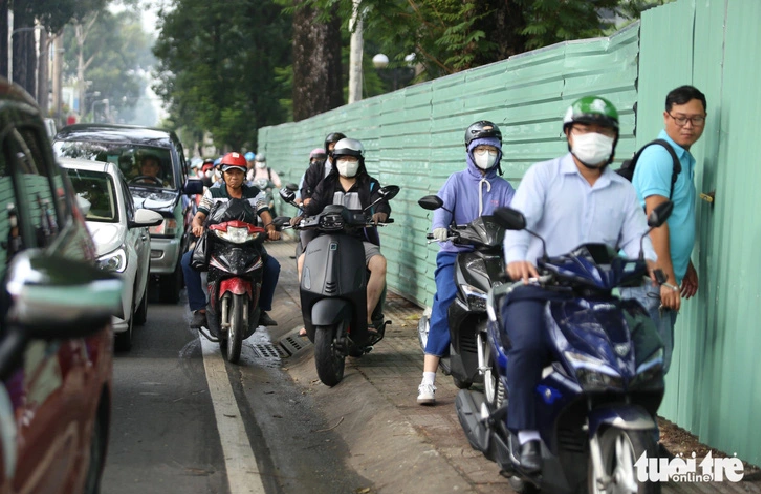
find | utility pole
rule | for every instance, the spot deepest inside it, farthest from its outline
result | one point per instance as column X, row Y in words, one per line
column 356, row 50
column 43, row 73
column 57, row 78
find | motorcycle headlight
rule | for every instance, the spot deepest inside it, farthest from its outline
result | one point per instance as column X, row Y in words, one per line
column 235, row 235
column 166, row 227
column 475, row 297
column 649, row 371
column 115, row 261
column 592, row 373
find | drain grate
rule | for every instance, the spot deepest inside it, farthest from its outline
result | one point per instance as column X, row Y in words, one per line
column 293, row 345
column 268, row 350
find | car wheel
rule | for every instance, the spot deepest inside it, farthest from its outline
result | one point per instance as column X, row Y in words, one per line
column 170, row 286
column 123, row 341
column 97, row 454
column 141, row 313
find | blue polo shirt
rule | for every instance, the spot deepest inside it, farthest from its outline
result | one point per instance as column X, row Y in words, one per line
column 652, row 176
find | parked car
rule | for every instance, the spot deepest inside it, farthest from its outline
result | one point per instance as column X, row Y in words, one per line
column 55, row 315
column 120, row 233
column 153, row 162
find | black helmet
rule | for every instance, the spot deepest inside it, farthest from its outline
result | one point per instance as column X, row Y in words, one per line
column 483, row 128
column 333, row 137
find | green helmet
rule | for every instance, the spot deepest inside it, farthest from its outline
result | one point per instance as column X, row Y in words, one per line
column 591, row 110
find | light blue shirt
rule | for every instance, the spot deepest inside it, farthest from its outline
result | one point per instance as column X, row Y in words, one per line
column 561, row 206
column 652, row 176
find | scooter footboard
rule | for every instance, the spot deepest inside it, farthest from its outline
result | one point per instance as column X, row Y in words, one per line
column 630, row 417
column 330, row 311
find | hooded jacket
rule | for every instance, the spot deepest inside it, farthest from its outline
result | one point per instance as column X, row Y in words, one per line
column 470, row 195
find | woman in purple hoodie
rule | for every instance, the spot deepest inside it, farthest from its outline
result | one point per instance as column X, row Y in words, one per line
column 470, row 193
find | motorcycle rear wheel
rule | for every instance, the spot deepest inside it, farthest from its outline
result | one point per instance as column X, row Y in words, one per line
column 328, row 361
column 235, row 331
column 620, row 449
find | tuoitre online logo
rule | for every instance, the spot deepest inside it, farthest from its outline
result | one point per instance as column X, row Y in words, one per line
column 681, row 469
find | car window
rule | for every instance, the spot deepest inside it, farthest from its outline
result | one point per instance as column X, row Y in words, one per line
column 98, row 188
column 36, row 184
column 141, row 165
column 10, row 231
column 129, row 202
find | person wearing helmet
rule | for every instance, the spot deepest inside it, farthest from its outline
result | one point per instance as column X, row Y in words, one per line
column 262, row 171
column 475, row 191
column 349, row 185
column 568, row 201
column 250, row 162
column 233, row 167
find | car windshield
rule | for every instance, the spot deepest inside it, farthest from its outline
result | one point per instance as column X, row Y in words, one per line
column 98, row 189
column 142, row 166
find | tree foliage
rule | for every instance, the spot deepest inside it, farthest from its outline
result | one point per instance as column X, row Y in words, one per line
column 218, row 66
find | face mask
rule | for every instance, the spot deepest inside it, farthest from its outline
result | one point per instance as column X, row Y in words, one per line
column 347, row 168
column 261, row 164
column 485, row 161
column 592, row 149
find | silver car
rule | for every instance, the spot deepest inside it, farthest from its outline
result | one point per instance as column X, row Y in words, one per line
column 120, row 234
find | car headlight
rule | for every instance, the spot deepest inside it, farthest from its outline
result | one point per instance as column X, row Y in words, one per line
column 475, row 297
column 649, row 370
column 115, row 261
column 166, row 227
column 235, row 235
column 593, row 373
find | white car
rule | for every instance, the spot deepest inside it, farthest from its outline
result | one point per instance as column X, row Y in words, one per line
column 120, row 234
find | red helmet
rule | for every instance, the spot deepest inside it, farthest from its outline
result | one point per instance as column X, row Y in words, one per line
column 233, row 160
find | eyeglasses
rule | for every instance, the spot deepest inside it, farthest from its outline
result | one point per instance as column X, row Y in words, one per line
column 682, row 121
column 482, row 151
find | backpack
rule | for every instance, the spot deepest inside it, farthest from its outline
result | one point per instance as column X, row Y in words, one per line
column 627, row 167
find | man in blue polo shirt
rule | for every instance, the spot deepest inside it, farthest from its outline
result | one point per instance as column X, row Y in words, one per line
column 683, row 122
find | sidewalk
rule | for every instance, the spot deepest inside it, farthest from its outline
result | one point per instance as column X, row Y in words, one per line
column 396, row 444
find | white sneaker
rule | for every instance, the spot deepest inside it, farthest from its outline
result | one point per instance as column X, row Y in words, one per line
column 426, row 394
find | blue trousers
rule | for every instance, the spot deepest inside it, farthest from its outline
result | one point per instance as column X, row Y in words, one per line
column 197, row 299
column 439, row 337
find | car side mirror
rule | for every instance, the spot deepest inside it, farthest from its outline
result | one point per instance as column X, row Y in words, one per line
column 510, row 219
column 430, row 203
column 145, row 217
column 193, row 186
column 57, row 298
column 660, row 214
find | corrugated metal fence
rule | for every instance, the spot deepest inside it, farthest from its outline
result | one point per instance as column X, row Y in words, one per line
column 414, row 138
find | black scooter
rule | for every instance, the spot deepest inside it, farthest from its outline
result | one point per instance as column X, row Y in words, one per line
column 334, row 287
column 476, row 272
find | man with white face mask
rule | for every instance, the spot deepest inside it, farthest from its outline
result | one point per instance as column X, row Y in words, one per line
column 568, row 201
column 475, row 191
column 349, row 185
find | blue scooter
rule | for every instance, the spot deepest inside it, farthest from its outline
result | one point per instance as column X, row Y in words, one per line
column 601, row 387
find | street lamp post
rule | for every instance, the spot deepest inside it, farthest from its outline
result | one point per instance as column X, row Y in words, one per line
column 92, row 107
column 381, row 63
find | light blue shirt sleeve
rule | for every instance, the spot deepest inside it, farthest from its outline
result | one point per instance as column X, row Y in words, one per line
column 652, row 175
column 632, row 230
column 529, row 200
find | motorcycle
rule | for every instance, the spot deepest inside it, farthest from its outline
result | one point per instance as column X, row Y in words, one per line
column 601, row 387
column 267, row 187
column 334, row 287
column 475, row 273
column 235, row 274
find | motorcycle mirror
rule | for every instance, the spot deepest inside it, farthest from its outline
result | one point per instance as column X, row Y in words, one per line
column 430, row 203
column 292, row 187
column 287, row 194
column 660, row 214
column 510, row 219
column 388, row 192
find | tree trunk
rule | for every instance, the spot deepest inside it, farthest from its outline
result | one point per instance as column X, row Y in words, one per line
column 43, row 73
column 503, row 27
column 317, row 70
column 4, row 38
column 24, row 47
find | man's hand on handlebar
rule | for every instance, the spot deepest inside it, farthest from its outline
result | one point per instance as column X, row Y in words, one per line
column 273, row 234
column 295, row 220
column 379, row 218
column 197, row 230
column 521, row 270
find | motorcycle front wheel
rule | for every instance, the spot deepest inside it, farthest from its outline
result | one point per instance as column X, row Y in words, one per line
column 235, row 331
column 620, row 449
column 330, row 363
